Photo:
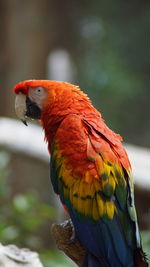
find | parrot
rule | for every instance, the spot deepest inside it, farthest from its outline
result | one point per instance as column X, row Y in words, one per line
column 89, row 171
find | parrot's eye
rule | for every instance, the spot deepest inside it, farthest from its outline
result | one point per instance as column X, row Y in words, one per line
column 37, row 95
column 39, row 90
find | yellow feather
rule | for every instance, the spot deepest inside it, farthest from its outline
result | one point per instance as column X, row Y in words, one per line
column 80, row 202
column 82, row 189
column 75, row 193
column 86, row 192
column 61, row 172
column 66, row 192
column 88, row 207
column 114, row 175
column 119, row 175
column 95, row 211
column 88, row 177
column 76, row 187
column 112, row 182
column 75, row 202
column 110, row 208
column 82, row 205
column 91, row 190
column 99, row 164
column 108, row 185
column 107, row 169
column 71, row 194
column 101, row 205
column 68, row 179
column 97, row 185
column 86, row 189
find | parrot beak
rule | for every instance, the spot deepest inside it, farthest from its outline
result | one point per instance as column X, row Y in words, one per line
column 20, row 107
column 26, row 108
column 25, row 123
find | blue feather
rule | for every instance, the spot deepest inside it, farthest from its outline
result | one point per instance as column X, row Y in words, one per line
column 103, row 240
column 91, row 261
column 109, row 242
column 53, row 176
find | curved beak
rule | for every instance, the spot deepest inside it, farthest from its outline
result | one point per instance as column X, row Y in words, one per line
column 20, row 107
column 26, row 108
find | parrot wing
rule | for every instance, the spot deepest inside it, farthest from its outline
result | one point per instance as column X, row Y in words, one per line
column 91, row 173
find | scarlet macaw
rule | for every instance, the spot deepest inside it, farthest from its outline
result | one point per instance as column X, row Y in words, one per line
column 89, row 170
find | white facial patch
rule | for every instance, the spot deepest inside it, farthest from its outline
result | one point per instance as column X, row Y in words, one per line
column 37, row 95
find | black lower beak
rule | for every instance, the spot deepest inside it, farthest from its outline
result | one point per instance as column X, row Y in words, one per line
column 33, row 111
column 24, row 122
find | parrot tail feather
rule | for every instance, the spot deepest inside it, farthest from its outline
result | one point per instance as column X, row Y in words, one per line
column 91, row 261
column 140, row 258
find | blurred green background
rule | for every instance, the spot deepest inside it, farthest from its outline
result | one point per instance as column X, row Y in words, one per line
column 106, row 45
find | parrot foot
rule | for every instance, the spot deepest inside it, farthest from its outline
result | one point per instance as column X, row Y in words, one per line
column 73, row 234
column 65, row 241
column 72, row 238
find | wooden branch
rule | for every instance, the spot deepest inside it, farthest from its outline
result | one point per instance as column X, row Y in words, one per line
column 15, row 257
column 73, row 249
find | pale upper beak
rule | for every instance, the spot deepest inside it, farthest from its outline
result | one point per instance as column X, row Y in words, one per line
column 26, row 108
column 21, row 108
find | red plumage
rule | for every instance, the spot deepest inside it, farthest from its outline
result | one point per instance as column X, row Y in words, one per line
column 91, row 172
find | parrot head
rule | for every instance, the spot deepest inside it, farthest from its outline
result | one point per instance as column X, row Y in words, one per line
column 33, row 97
column 30, row 96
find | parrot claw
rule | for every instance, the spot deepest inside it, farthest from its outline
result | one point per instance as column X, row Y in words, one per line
column 73, row 235
column 72, row 239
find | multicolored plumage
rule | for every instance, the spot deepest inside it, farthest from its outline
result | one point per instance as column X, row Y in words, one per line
column 90, row 171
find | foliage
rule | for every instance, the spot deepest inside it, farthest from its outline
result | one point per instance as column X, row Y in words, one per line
column 21, row 215
column 55, row 258
column 146, row 243
column 114, row 67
